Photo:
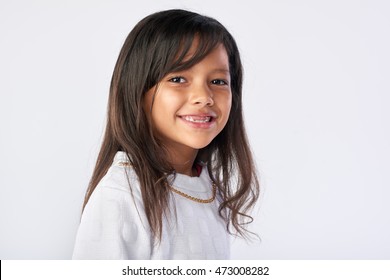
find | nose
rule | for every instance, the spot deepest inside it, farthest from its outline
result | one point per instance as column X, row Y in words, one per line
column 202, row 95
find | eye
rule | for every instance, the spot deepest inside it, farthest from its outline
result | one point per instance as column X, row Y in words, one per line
column 177, row 80
column 219, row 82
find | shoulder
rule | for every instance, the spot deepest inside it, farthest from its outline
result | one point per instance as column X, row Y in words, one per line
column 118, row 189
column 120, row 176
column 113, row 224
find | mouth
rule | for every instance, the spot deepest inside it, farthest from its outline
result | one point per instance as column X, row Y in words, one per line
column 198, row 119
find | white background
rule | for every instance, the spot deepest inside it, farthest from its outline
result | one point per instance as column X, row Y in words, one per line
column 316, row 101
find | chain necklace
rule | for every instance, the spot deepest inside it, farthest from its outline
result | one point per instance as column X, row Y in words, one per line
column 196, row 199
column 199, row 200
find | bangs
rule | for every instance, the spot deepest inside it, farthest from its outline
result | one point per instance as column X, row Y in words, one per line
column 188, row 54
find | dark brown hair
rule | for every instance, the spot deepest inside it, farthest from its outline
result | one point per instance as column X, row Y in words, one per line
column 156, row 47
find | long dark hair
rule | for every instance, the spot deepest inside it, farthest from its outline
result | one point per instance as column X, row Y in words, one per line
column 156, row 47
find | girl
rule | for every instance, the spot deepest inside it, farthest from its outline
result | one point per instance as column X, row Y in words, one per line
column 175, row 174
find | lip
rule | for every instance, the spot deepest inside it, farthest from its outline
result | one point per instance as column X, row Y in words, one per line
column 203, row 125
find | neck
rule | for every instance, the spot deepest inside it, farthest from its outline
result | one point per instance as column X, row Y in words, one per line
column 183, row 162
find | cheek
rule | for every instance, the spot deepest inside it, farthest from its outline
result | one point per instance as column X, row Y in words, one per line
column 168, row 103
column 147, row 103
column 225, row 104
column 230, row 103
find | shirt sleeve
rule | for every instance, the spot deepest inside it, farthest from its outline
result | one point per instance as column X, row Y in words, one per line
column 112, row 227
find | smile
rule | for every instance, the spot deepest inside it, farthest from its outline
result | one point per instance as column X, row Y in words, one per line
column 197, row 119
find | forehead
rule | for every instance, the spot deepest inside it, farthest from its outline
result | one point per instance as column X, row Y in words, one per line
column 197, row 53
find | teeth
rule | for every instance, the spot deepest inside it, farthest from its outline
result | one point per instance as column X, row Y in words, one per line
column 197, row 119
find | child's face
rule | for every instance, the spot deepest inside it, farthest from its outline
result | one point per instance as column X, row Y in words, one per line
column 191, row 107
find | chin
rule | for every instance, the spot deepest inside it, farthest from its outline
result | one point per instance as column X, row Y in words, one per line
column 199, row 145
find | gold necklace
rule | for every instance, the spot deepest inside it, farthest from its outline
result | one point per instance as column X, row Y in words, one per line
column 195, row 198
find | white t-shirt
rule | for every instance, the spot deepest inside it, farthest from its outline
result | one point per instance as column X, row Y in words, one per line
column 114, row 224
